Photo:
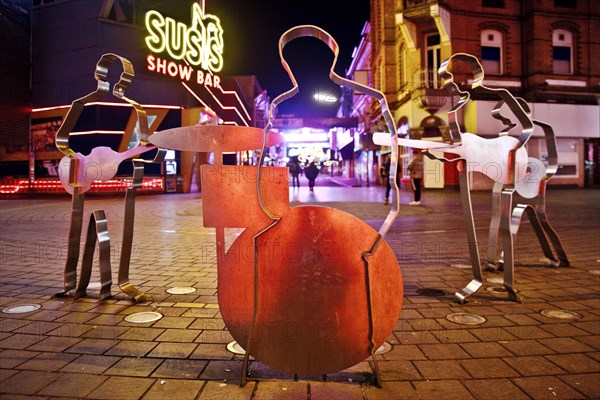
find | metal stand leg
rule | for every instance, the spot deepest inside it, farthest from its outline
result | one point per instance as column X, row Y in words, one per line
column 126, row 247
column 477, row 281
column 492, row 249
column 97, row 230
column 558, row 247
column 539, row 232
column 506, row 229
column 70, row 276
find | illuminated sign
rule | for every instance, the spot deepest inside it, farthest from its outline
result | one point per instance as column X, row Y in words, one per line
column 197, row 46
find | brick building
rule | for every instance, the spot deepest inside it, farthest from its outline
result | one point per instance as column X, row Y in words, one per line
column 540, row 50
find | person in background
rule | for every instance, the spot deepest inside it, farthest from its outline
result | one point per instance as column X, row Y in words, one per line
column 385, row 173
column 295, row 171
column 415, row 168
column 311, row 172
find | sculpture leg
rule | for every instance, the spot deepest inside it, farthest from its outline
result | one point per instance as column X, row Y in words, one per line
column 97, row 230
column 558, row 247
column 127, row 244
column 70, row 277
column 492, row 248
column 539, row 232
column 372, row 348
column 465, row 192
column 508, row 229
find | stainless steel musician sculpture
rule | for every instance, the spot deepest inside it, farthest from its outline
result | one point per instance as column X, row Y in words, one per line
column 307, row 290
column 77, row 172
column 504, row 160
column 531, row 198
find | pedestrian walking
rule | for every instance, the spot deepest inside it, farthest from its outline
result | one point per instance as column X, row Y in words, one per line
column 385, row 174
column 295, row 171
column 415, row 168
column 311, row 172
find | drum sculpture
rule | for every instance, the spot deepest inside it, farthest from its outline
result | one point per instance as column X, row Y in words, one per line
column 307, row 290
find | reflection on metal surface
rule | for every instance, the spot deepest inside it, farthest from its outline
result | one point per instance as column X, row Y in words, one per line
column 430, row 292
column 384, row 348
column 235, row 348
column 561, row 314
column 77, row 172
column 497, row 289
column 143, row 317
column 495, row 279
column 466, row 319
column 461, row 266
column 595, row 271
column 181, row 290
column 21, row 308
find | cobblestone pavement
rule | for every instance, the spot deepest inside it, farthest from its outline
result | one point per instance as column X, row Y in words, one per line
column 85, row 349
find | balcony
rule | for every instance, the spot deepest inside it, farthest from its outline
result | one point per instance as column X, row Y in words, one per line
column 429, row 92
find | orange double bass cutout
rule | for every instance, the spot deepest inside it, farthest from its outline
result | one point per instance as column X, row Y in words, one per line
column 308, row 290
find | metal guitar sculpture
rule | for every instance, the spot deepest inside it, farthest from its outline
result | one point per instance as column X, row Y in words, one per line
column 77, row 172
column 503, row 159
column 530, row 199
column 307, row 290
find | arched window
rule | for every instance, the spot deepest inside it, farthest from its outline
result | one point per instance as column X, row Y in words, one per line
column 562, row 52
column 491, row 51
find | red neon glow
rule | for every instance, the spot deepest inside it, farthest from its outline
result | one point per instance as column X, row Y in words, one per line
column 206, row 105
column 53, row 185
column 227, row 107
column 238, row 99
column 106, row 103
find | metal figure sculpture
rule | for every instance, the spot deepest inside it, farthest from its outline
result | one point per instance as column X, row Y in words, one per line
column 307, row 290
column 77, row 172
column 503, row 159
column 530, row 199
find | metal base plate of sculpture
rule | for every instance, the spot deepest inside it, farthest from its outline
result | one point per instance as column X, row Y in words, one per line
column 308, row 290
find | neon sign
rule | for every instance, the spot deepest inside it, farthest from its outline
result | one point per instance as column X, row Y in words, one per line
column 199, row 45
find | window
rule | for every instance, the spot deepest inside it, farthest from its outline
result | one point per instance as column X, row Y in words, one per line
column 433, row 61
column 565, row 3
column 493, row 3
column 562, row 52
column 491, row 51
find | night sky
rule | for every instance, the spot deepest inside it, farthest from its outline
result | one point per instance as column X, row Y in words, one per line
column 251, row 34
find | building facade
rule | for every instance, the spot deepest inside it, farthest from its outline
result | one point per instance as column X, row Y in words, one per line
column 177, row 79
column 542, row 51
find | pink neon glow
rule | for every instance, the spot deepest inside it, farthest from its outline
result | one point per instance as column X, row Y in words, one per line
column 53, row 185
column 206, row 105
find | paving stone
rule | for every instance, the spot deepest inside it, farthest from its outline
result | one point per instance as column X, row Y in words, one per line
column 90, row 364
column 443, row 351
column 131, row 348
column 565, row 345
column 455, row 336
column 121, row 388
column 221, row 390
column 7, row 373
column 172, row 350
column 488, row 368
column 20, row 341
column 392, row 390
column 335, row 391
column 405, row 352
column 48, row 361
column 92, row 346
column 69, row 385
column 134, row 367
column 181, row 369
column 585, row 383
column 214, row 337
column 527, row 347
column 445, row 389
column 268, row 390
column 223, row 370
column 533, row 365
column 398, row 371
column 450, row 369
column 28, row 382
column 546, row 387
column 146, row 334
column 178, row 335
column 494, row 389
column 208, row 351
column 485, row 350
column 11, row 358
column 54, row 344
column 575, row 363
column 174, row 389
